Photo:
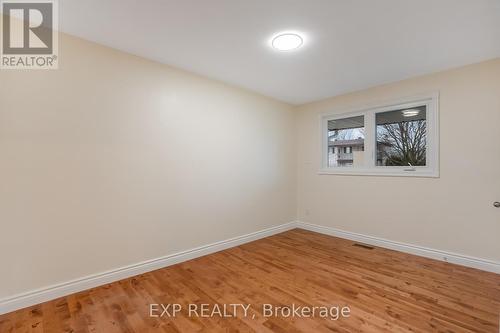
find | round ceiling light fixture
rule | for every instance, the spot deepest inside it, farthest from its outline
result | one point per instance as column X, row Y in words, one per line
column 287, row 41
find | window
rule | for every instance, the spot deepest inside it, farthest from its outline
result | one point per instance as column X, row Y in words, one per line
column 342, row 133
column 397, row 139
column 401, row 137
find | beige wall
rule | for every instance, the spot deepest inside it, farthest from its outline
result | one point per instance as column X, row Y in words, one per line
column 113, row 159
column 452, row 213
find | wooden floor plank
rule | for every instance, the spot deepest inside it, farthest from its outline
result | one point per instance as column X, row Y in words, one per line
column 386, row 291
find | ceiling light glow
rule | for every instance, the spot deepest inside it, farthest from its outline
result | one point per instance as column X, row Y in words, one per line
column 410, row 112
column 287, row 41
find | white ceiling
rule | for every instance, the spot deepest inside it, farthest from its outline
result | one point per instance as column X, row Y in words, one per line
column 350, row 44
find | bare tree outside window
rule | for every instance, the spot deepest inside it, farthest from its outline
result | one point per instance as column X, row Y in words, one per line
column 401, row 137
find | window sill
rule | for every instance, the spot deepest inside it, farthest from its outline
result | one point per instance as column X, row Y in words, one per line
column 422, row 173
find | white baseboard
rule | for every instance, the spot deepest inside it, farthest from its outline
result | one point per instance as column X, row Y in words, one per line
column 59, row 290
column 459, row 259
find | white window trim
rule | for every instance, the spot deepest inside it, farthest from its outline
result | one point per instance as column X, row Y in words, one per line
column 368, row 111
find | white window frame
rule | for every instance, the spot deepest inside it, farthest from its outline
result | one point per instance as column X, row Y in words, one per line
column 370, row 168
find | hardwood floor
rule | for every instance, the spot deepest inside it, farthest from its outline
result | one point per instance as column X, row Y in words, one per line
column 386, row 291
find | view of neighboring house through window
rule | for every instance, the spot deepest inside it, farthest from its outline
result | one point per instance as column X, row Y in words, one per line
column 396, row 139
column 401, row 137
column 346, row 139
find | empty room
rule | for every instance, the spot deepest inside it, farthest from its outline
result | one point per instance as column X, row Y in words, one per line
column 249, row 166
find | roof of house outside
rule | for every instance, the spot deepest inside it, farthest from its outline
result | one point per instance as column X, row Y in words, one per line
column 355, row 142
column 352, row 143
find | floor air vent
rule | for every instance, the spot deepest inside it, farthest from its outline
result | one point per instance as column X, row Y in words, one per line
column 364, row 246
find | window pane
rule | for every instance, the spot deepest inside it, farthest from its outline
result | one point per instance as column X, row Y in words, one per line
column 346, row 142
column 401, row 137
